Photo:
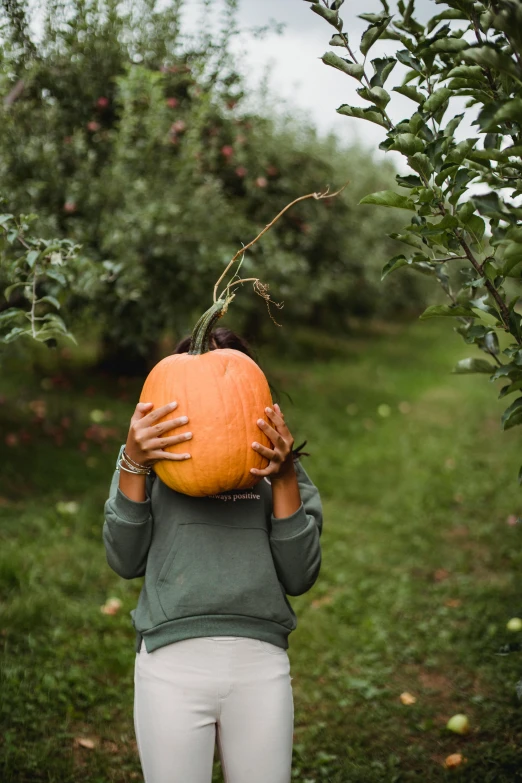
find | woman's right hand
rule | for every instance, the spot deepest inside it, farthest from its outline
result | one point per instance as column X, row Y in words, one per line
column 147, row 439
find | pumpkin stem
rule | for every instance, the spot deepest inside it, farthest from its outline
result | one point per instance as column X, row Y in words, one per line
column 316, row 196
column 200, row 341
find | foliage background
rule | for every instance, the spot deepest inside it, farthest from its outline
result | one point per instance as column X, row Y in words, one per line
column 131, row 140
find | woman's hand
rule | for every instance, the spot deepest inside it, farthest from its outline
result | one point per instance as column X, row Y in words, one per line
column 146, row 439
column 281, row 464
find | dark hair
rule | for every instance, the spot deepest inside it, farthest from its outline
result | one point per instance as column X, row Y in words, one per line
column 226, row 338
column 220, row 338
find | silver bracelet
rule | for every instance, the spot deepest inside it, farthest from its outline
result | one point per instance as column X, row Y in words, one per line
column 132, row 462
column 130, row 466
column 130, row 469
column 135, row 472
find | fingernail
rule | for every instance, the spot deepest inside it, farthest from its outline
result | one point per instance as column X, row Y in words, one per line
column 188, row 435
column 184, row 419
column 173, row 404
column 260, row 421
column 255, row 445
column 186, row 456
column 268, row 410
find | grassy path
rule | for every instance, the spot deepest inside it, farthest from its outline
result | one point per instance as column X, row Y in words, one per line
column 421, row 571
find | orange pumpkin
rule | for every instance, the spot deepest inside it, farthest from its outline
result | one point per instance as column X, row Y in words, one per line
column 223, row 392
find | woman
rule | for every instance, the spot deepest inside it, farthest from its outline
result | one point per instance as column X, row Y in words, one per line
column 213, row 620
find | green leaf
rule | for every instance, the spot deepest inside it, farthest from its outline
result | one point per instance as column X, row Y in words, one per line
column 332, row 17
column 436, row 100
column 489, row 56
column 337, row 40
column 434, row 311
column 352, row 69
column 394, row 263
column 421, row 164
column 514, row 233
column 465, row 212
column 5, row 219
column 10, row 288
column 481, row 303
column 410, row 92
column 388, row 198
column 372, row 18
column 476, row 226
column 451, row 13
column 511, row 258
column 489, row 154
column 453, row 124
column 446, row 46
column 408, row 239
column 376, row 95
column 406, row 58
column 55, row 274
column 10, row 314
column 507, row 371
column 490, row 205
column 382, row 66
column 408, row 181
column 487, row 319
column 18, row 331
column 509, row 389
column 472, row 365
column 373, row 32
column 460, row 151
column 512, row 415
column 447, row 170
column 407, row 143
column 372, row 115
column 31, row 258
column 55, row 321
column 50, row 299
column 510, row 110
column 473, row 72
column 447, row 222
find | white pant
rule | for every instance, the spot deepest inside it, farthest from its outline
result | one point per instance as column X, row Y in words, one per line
column 230, row 688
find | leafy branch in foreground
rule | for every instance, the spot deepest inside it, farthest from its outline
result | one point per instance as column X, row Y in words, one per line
column 38, row 270
column 470, row 243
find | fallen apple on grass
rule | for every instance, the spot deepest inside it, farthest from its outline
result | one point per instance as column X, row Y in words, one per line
column 454, row 760
column 458, row 723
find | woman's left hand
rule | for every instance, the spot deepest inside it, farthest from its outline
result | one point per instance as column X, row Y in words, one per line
column 280, row 458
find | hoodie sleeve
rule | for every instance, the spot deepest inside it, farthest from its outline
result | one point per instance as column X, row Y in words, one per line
column 295, row 540
column 127, row 530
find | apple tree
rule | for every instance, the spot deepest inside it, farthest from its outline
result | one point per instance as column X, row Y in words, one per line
column 462, row 192
column 138, row 144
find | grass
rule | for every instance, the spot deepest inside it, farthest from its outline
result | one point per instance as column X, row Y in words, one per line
column 420, row 570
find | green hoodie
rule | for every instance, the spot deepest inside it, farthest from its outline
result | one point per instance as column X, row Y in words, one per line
column 214, row 566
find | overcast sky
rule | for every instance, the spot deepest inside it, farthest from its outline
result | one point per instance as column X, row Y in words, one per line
column 299, row 77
